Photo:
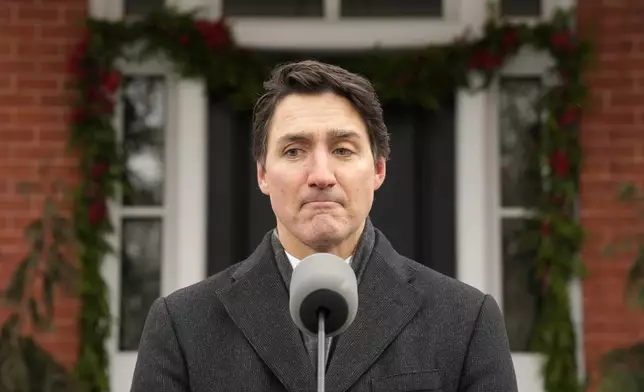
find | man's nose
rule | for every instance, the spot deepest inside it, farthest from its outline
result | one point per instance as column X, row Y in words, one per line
column 321, row 173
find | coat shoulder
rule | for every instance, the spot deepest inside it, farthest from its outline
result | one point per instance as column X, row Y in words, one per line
column 198, row 297
column 434, row 286
column 439, row 288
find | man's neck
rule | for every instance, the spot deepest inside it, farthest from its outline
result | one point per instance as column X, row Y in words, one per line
column 299, row 250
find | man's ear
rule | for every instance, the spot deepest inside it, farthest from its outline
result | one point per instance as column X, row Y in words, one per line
column 380, row 173
column 261, row 178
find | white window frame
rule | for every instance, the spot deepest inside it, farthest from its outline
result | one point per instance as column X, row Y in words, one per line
column 527, row 63
column 532, row 65
column 478, row 262
column 122, row 362
column 527, row 364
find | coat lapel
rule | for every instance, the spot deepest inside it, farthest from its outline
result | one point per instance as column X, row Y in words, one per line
column 386, row 303
column 258, row 303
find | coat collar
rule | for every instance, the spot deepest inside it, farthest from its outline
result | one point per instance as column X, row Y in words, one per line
column 258, row 303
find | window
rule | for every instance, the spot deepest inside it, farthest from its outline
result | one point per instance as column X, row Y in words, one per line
column 141, row 7
column 387, row 8
column 517, row 135
column 521, row 8
column 143, row 202
column 349, row 8
column 273, row 8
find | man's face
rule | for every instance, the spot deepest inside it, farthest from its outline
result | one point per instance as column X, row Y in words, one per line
column 320, row 172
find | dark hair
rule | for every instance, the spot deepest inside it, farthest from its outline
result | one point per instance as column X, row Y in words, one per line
column 311, row 77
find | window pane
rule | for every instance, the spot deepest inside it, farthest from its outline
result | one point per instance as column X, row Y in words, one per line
column 521, row 7
column 140, row 277
column 142, row 7
column 144, row 140
column 273, row 7
column 517, row 133
column 519, row 300
column 383, row 8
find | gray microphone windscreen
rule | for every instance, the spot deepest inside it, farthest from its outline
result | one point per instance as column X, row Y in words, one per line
column 325, row 282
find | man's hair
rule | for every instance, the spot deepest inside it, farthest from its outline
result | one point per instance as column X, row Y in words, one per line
column 314, row 77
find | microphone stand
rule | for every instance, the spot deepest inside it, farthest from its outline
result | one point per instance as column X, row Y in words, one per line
column 321, row 350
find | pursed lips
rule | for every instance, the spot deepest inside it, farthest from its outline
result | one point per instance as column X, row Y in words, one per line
column 321, row 203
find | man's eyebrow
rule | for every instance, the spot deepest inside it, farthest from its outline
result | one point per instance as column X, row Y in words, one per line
column 343, row 134
column 294, row 137
column 307, row 136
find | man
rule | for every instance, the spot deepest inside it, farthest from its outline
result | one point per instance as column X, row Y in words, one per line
column 321, row 148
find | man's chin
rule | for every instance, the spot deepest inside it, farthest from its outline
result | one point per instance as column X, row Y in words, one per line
column 324, row 242
column 324, row 233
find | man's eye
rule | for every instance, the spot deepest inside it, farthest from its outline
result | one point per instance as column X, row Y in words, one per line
column 343, row 151
column 292, row 152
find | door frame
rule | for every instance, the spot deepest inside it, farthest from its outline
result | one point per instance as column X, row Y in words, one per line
column 477, row 240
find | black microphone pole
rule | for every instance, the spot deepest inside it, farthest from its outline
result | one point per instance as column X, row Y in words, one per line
column 321, row 350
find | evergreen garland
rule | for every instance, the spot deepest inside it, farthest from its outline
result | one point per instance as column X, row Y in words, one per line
column 206, row 50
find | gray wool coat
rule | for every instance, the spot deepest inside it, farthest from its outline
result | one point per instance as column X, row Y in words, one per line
column 415, row 330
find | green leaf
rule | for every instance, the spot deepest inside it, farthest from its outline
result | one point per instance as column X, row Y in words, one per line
column 35, row 235
column 26, row 188
column 49, row 209
column 59, row 186
column 621, row 369
column 36, row 318
column 635, row 282
column 15, row 292
column 638, row 301
column 69, row 277
column 628, row 192
column 50, row 278
column 62, row 230
column 609, row 251
column 14, row 370
column 579, row 268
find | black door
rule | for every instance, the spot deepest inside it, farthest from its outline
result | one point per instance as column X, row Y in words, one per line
column 414, row 208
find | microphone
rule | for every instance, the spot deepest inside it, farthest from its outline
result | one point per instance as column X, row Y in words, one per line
column 323, row 300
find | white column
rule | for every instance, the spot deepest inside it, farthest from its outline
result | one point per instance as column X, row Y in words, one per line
column 189, row 173
column 191, row 182
column 473, row 13
column 332, row 10
column 202, row 6
column 472, row 204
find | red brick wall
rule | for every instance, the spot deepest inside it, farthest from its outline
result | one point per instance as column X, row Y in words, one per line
column 36, row 39
column 613, row 142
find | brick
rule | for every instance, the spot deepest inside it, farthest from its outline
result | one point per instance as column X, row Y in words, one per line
column 16, row 67
column 38, row 50
column 627, row 117
column 19, row 33
column 53, row 32
column 610, row 81
column 18, row 135
column 58, row 100
column 74, row 15
column 53, row 136
column 40, row 83
column 16, row 100
column 53, row 66
column 30, row 117
column 5, row 14
column 7, row 48
column 626, row 98
column 39, row 14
